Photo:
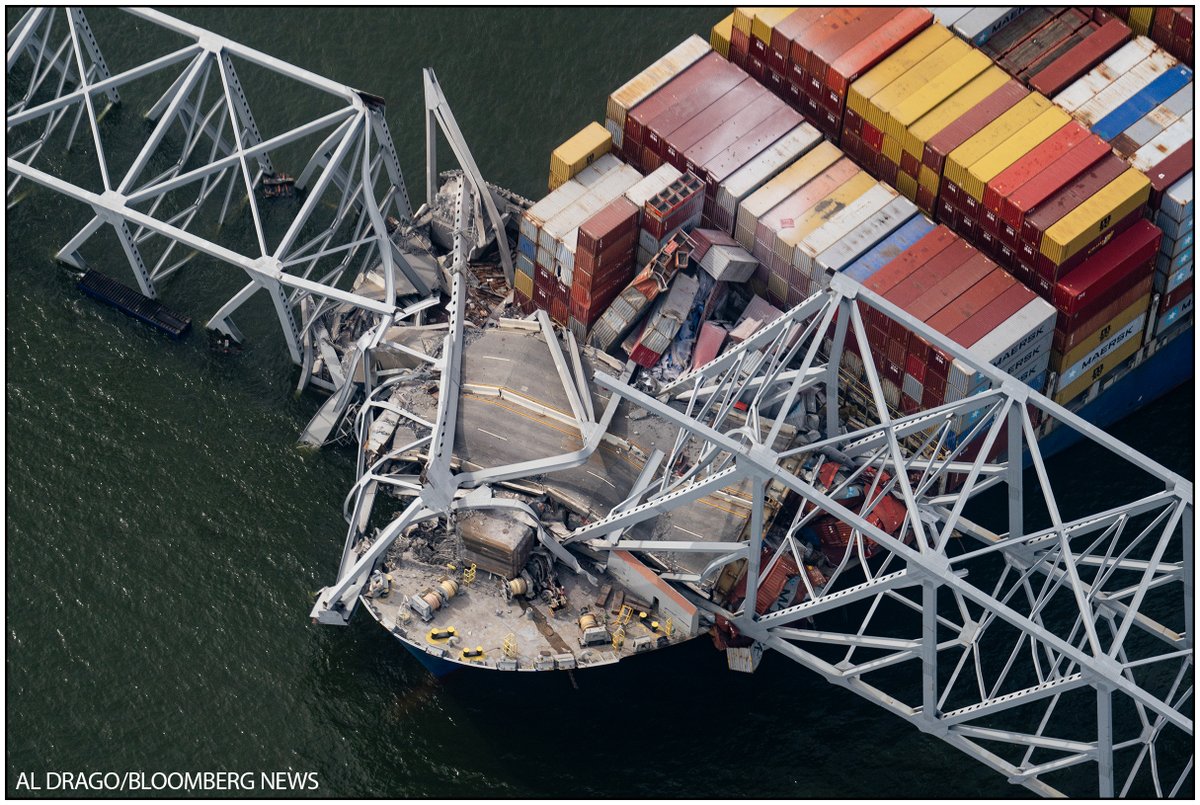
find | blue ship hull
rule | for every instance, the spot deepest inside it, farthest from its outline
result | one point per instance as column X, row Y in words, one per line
column 1169, row 367
column 434, row 665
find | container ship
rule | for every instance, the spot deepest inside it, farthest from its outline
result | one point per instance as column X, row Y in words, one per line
column 1019, row 180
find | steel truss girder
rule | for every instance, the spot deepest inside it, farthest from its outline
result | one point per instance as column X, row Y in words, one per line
column 358, row 126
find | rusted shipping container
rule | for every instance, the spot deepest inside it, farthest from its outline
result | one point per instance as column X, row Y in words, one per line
column 1071, row 65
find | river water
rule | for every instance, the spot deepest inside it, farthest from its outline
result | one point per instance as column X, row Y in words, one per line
column 165, row 536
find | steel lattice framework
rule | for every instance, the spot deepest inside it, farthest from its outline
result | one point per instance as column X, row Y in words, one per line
column 1055, row 646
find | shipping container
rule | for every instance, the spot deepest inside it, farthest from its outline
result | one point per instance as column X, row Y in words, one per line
column 964, row 128
column 692, row 90
column 592, row 142
column 1020, row 143
column 870, row 51
column 979, row 24
column 1115, row 95
column 804, row 170
column 759, row 170
column 1039, row 189
column 895, row 65
column 930, row 92
column 719, row 38
column 861, row 238
column 1089, row 221
column 802, row 212
column 976, row 147
column 645, row 83
column 1150, row 125
column 1031, row 164
column 800, row 248
column 889, row 248
column 1118, row 64
column 1070, row 66
column 1109, row 273
column 945, row 113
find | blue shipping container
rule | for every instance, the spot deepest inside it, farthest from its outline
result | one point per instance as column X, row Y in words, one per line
column 1142, row 102
column 887, row 249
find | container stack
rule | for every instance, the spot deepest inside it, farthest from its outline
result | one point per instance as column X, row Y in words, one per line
column 677, row 206
column 654, row 183
column 758, row 171
column 1103, row 308
column 1173, row 28
column 591, row 143
column 942, row 280
column 604, row 258
column 1174, row 275
column 645, row 83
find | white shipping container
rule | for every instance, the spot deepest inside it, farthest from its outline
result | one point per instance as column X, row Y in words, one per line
column 764, row 167
column 1031, row 327
column 1108, row 71
column 618, row 133
column 1171, row 139
column 801, row 254
column 550, row 206
column 611, row 185
column 978, row 24
column 1178, row 201
column 592, row 174
column 1161, row 116
column 948, row 15
column 861, row 238
column 641, row 86
column 1125, row 87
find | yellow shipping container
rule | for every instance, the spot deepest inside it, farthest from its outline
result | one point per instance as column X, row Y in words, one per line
column 894, row 66
column 891, row 149
column 1088, row 221
column 798, row 174
column 524, row 284
column 1140, row 20
column 929, row 179
column 906, row 185
column 1060, row 362
column 913, row 79
column 721, row 34
column 952, row 109
column 1098, row 370
column 991, row 135
column 765, row 21
column 935, row 90
column 591, row 143
column 743, row 17
column 886, row 101
column 817, row 215
column 1018, row 145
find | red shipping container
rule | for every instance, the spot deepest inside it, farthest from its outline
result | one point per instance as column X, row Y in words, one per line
column 970, row 303
column 1031, row 164
column 1169, row 171
column 1053, row 272
column 904, row 264
column 1176, row 296
column 780, row 54
column 871, row 50
column 1077, row 61
column 1061, row 172
column 703, row 82
column 905, row 294
column 802, row 44
column 728, row 106
column 954, row 284
column 608, row 226
column 739, row 47
column 862, row 23
column 728, row 133
column 1110, row 272
column 992, row 315
column 1069, row 332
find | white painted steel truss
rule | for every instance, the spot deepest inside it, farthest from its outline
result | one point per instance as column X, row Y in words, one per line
column 204, row 172
column 1054, row 646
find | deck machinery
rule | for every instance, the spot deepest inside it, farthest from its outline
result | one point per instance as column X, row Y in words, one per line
column 525, row 502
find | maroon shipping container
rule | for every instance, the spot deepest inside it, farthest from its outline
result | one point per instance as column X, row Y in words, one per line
column 972, row 302
column 1053, row 272
column 1169, row 171
column 1110, row 272
column 924, row 282
column 682, row 116
column 822, row 28
column 703, row 82
column 1065, row 47
column 863, row 24
column 794, row 26
column 1067, row 199
column 728, row 133
column 729, row 107
column 1065, row 169
column 1045, row 39
column 1031, row 164
column 1070, row 332
column 750, row 145
column 1176, row 296
column 969, row 124
column 739, row 47
column 992, row 315
column 1077, row 61
column 703, row 98
column 904, row 264
column 616, row 219
column 870, row 51
column 957, row 282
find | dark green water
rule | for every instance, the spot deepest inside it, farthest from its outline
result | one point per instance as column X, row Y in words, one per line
column 164, row 535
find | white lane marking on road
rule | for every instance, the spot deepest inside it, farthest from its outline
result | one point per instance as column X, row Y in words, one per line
column 693, row 533
column 489, row 433
column 602, row 478
column 497, row 358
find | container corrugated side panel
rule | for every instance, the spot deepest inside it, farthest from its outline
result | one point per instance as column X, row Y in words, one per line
column 889, row 248
column 641, row 86
column 1158, row 91
column 1108, row 71
column 1016, row 146
column 766, row 165
column 1170, row 140
column 884, row 102
column 891, row 68
column 862, row 238
column 933, row 91
column 1088, row 221
column 952, row 108
column 1155, row 121
column 1179, row 200
column 1125, row 87
column 837, row 227
column 802, row 171
column 990, row 136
